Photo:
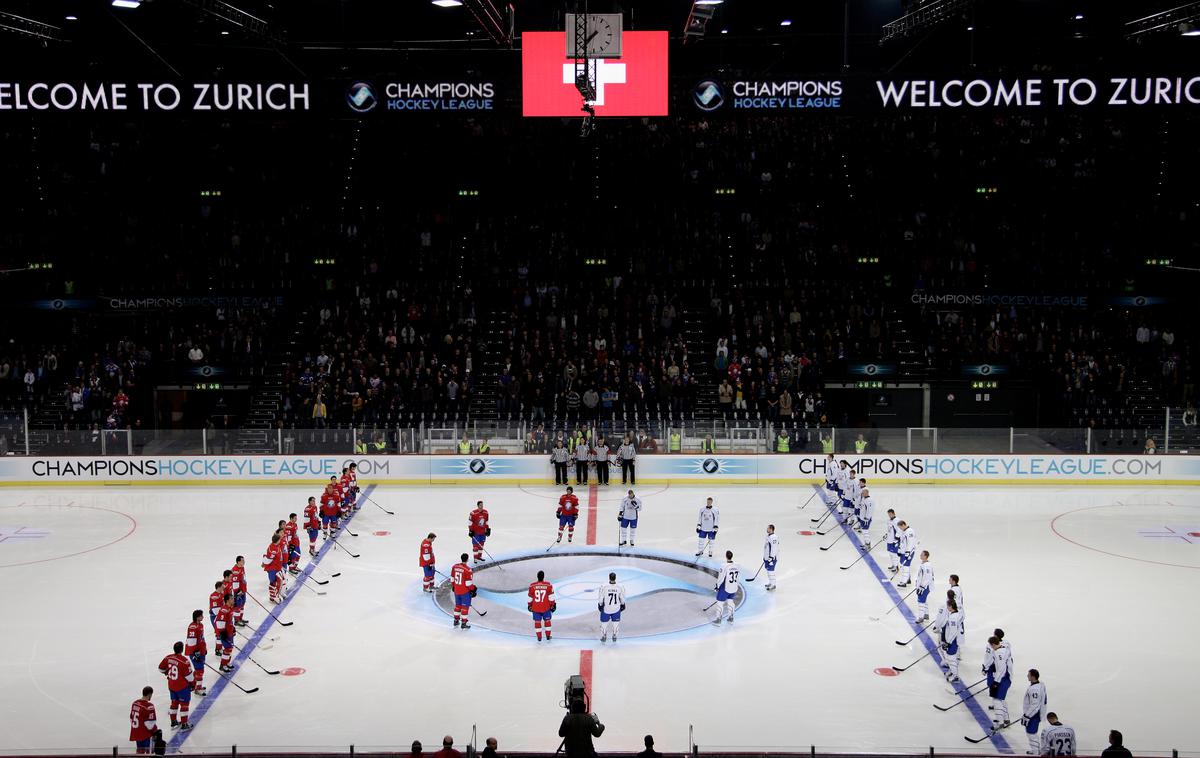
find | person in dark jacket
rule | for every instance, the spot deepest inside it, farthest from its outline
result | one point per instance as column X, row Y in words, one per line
column 577, row 730
column 1116, row 746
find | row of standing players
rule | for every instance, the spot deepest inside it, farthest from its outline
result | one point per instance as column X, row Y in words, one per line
column 849, row 499
column 611, row 596
column 184, row 666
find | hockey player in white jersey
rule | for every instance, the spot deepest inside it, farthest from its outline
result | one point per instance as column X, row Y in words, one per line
column 611, row 598
column 727, row 588
column 949, row 628
column 924, row 586
column 1032, row 711
column 631, row 506
column 891, row 538
column 850, row 496
column 997, row 665
column 770, row 555
column 707, row 523
column 907, row 550
column 831, row 493
column 866, row 513
column 958, row 598
column 1057, row 738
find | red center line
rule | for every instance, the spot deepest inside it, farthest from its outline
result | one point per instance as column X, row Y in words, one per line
column 593, row 501
column 585, row 670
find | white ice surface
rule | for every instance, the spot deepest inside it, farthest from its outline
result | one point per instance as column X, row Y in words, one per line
column 1111, row 622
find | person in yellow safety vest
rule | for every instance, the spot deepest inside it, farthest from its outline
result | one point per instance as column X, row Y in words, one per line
column 860, row 445
column 782, row 443
column 360, row 447
column 484, row 447
column 380, row 444
column 676, row 442
column 826, row 444
column 464, row 447
column 708, row 446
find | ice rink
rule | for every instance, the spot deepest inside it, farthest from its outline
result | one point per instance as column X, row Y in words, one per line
column 1094, row 586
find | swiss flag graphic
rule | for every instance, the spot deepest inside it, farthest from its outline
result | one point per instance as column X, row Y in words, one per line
column 633, row 85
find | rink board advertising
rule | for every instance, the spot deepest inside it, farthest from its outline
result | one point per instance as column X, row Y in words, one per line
column 536, row 469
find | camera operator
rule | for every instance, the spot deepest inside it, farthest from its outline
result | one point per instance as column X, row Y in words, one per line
column 577, row 730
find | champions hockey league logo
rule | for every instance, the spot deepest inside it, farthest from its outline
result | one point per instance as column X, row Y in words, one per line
column 361, row 97
column 710, row 466
column 478, row 466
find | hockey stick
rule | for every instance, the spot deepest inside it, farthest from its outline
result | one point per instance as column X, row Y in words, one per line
column 918, row 634
column 896, row 605
column 756, row 573
column 311, row 589
column 865, row 553
column 269, row 613
column 481, row 613
column 831, row 544
column 256, row 663
column 821, row 520
column 490, row 557
column 992, row 733
column 335, row 575
column 928, row 653
column 264, row 647
column 806, row 502
column 377, row 505
column 338, row 544
column 710, row 605
column 346, row 527
column 229, row 678
column 963, row 700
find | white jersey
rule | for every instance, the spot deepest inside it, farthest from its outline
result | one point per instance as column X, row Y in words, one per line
column 611, row 597
column 949, row 625
column 771, row 548
column 630, row 507
column 958, row 600
column 852, row 490
column 1058, row 740
column 709, row 519
column 892, row 536
column 830, row 474
column 999, row 661
column 925, row 576
column 1035, row 701
column 866, row 508
column 728, row 578
column 908, row 541
column 842, row 476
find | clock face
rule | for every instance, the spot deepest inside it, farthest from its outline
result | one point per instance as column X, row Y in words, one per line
column 602, row 36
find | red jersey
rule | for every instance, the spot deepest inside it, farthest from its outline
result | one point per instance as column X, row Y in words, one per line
column 329, row 504
column 273, row 557
column 541, row 596
column 143, row 721
column 310, row 517
column 237, row 579
column 215, row 601
column 479, row 521
column 224, row 622
column 427, row 558
column 346, row 483
column 179, row 672
column 460, row 577
column 568, row 505
column 290, row 531
column 195, row 639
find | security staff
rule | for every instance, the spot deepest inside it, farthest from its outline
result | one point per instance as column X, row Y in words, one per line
column 709, row 446
column 860, row 445
column 581, row 461
column 464, row 446
column 782, row 443
column 676, row 442
column 484, row 447
column 559, row 455
column 826, row 444
column 601, row 454
column 626, row 454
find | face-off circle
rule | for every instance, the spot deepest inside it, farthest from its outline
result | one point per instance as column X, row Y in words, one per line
column 662, row 594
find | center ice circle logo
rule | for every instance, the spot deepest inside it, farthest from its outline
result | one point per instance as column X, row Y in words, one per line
column 478, row 466
column 663, row 594
column 710, row 466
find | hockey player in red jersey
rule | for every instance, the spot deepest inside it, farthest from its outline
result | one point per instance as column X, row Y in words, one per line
column 478, row 531
column 196, row 649
column 542, row 604
column 346, row 487
column 215, row 600
column 464, row 589
column 354, row 486
column 180, row 681
column 428, row 561
column 143, row 722
column 568, row 511
column 291, row 533
column 224, row 627
column 312, row 524
column 237, row 588
column 330, row 510
column 272, row 563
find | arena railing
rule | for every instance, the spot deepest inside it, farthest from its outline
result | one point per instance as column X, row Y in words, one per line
column 695, row 751
column 718, row 436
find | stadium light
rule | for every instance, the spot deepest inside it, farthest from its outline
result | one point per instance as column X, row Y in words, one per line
column 447, row 3
column 1189, row 30
column 72, row 18
column 709, row 2
column 785, row 22
column 126, row 3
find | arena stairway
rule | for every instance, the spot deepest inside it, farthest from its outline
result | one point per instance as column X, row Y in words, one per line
column 490, row 349
column 257, row 435
column 701, row 346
